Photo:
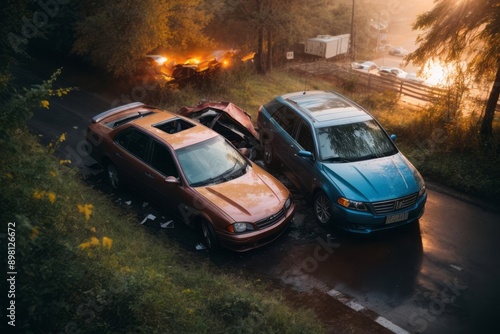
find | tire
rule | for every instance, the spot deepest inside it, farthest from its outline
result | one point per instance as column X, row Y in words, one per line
column 113, row 176
column 323, row 208
column 209, row 237
column 268, row 155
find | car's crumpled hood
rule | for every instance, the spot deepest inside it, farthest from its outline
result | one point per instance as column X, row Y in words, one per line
column 250, row 197
column 375, row 179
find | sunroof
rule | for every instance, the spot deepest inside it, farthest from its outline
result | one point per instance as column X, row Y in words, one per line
column 174, row 125
column 326, row 104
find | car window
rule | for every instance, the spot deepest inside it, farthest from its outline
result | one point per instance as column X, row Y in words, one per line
column 212, row 161
column 134, row 141
column 162, row 160
column 305, row 138
column 354, row 142
column 287, row 119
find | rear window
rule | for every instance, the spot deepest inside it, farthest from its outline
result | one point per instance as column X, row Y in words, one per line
column 128, row 118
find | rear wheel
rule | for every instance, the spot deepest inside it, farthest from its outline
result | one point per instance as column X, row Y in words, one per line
column 113, row 176
column 209, row 236
column 323, row 208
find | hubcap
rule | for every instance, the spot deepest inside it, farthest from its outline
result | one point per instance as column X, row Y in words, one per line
column 322, row 206
column 268, row 154
column 206, row 234
column 113, row 176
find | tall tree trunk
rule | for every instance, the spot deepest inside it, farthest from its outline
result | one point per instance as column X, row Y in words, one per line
column 269, row 67
column 259, row 59
column 489, row 113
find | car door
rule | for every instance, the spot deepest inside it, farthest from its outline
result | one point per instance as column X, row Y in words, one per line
column 170, row 195
column 130, row 154
column 284, row 122
column 301, row 169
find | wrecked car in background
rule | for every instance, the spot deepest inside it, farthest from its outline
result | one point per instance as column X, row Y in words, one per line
column 193, row 172
column 229, row 120
column 181, row 70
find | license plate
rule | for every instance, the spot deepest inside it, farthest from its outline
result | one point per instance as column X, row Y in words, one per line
column 396, row 218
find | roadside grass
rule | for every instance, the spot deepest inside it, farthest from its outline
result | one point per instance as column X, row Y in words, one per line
column 441, row 142
column 84, row 265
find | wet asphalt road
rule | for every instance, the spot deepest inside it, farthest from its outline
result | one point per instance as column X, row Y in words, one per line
column 440, row 276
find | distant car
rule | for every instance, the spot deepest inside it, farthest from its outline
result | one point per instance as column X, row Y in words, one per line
column 394, row 72
column 364, row 65
column 398, row 51
column 338, row 154
column 229, row 120
column 414, row 78
column 193, row 172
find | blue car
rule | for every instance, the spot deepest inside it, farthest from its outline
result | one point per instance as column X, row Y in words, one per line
column 335, row 151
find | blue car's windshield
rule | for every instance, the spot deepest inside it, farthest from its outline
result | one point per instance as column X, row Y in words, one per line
column 354, row 142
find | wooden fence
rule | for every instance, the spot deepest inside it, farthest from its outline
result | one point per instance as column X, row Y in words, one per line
column 419, row 91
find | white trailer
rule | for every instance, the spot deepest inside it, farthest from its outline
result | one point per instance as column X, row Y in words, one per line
column 327, row 46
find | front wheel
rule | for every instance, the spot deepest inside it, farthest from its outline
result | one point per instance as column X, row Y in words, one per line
column 209, row 236
column 323, row 208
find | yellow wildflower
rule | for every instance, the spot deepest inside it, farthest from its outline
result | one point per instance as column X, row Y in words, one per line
column 186, row 291
column 94, row 241
column 53, row 173
column 38, row 194
column 93, row 229
column 62, row 162
column 44, row 104
column 62, row 138
column 84, row 245
column 85, row 209
column 51, row 196
column 34, row 233
column 107, row 242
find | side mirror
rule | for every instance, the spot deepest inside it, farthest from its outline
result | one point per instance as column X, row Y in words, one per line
column 393, row 137
column 305, row 154
column 172, row 180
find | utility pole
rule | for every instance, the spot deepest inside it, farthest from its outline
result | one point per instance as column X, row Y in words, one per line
column 353, row 54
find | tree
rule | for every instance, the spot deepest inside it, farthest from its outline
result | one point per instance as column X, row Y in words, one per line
column 467, row 30
column 116, row 35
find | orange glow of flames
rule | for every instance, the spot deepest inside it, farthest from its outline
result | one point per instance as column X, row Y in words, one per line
column 161, row 60
column 436, row 73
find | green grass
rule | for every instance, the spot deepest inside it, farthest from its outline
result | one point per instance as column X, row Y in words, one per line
column 126, row 280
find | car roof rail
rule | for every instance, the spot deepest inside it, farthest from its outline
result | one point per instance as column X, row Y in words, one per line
column 116, row 110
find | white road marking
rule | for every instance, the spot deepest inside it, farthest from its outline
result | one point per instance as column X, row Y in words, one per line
column 390, row 326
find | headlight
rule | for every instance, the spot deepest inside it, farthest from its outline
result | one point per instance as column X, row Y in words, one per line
column 353, row 205
column 288, row 203
column 240, row 227
column 421, row 191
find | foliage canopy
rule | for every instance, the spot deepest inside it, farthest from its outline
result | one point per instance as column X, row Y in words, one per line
column 464, row 30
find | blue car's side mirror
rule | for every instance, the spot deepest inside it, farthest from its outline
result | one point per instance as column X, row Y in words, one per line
column 305, row 154
column 393, row 137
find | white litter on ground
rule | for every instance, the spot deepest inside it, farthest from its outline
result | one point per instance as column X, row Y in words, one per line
column 149, row 216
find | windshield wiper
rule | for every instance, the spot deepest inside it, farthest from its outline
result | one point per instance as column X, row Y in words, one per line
column 224, row 176
column 336, row 159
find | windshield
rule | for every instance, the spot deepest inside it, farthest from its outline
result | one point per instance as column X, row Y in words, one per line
column 354, row 142
column 209, row 162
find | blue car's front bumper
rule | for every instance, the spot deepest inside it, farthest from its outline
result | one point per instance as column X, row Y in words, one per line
column 363, row 222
